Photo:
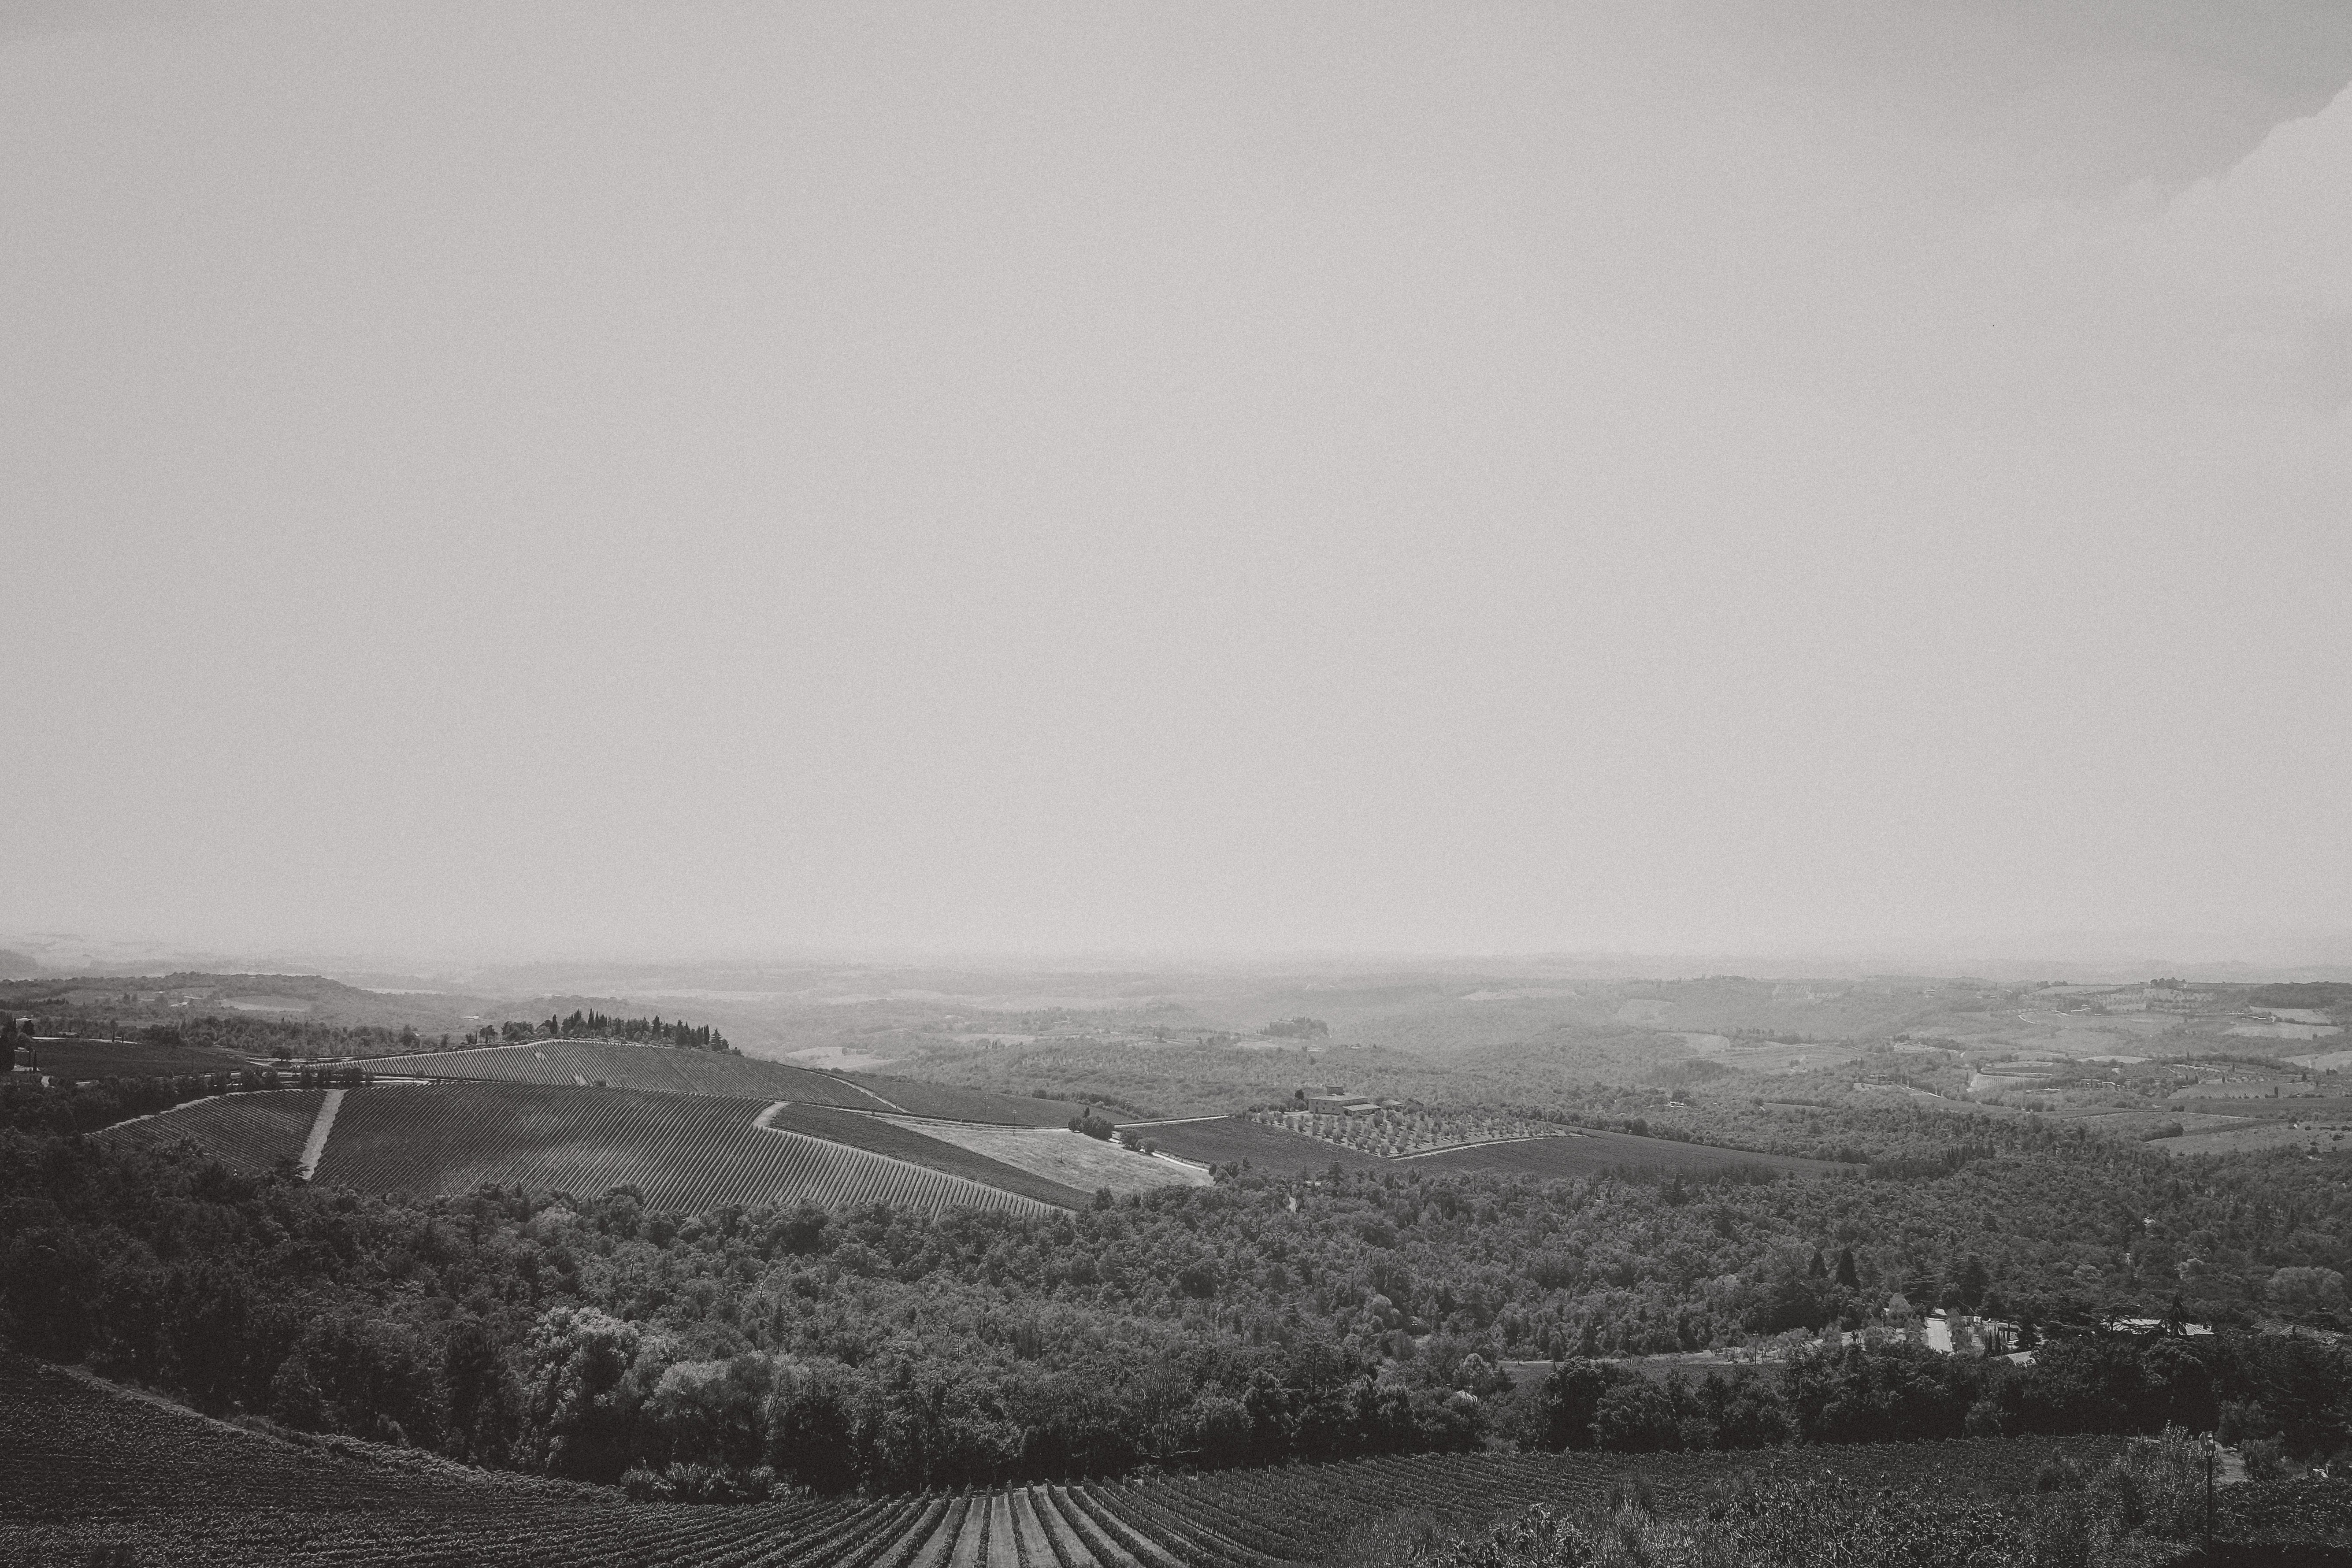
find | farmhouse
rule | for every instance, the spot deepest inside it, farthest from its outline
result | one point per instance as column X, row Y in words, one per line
column 1337, row 1103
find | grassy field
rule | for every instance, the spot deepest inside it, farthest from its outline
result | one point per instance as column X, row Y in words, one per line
column 93, row 1470
column 682, row 1152
column 956, row 1103
column 1061, row 1155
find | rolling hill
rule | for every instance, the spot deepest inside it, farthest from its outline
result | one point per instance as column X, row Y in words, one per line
column 1591, row 1153
column 682, row 1152
column 253, row 1132
column 617, row 1065
column 97, row 1472
column 1223, row 1139
column 612, row 1064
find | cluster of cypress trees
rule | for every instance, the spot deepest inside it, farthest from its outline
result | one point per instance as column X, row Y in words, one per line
column 579, row 1025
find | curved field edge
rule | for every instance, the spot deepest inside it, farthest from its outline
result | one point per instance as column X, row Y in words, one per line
column 616, row 1064
column 623, row 1064
column 95, row 1467
column 1059, row 1155
column 687, row 1153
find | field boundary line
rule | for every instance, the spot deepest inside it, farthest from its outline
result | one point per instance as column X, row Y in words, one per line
column 1457, row 1148
column 200, row 1099
column 1042, row 1206
column 314, row 1147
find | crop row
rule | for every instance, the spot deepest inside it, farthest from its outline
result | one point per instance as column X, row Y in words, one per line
column 1306, row 1514
column 78, row 1445
column 92, row 1467
column 1589, row 1152
column 255, row 1130
column 878, row 1136
column 952, row 1102
column 618, row 1065
column 1390, row 1133
column 682, row 1152
column 1232, row 1139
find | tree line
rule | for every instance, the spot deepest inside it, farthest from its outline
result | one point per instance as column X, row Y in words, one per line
column 96, row 1103
column 588, row 1024
column 1256, row 1320
column 2282, row 1389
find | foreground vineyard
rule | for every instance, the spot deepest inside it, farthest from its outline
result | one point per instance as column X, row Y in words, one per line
column 682, row 1152
column 94, row 1468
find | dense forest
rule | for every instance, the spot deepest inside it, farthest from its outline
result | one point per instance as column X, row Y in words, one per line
column 234, row 1034
column 1251, row 1321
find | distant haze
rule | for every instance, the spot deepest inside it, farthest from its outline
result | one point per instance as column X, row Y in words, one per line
column 1814, row 478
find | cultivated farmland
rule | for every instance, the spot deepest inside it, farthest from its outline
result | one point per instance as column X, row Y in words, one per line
column 1585, row 1153
column 682, row 1152
column 958, row 1104
column 93, row 1468
column 80, row 1059
column 617, row 1065
column 668, row 1068
column 77, row 1447
column 1391, row 1132
column 1562, row 1151
column 1061, row 1155
column 252, row 1130
column 1229, row 1140
column 888, row 1136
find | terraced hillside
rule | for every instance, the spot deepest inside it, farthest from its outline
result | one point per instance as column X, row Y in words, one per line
column 253, row 1132
column 682, row 1152
column 94, row 1469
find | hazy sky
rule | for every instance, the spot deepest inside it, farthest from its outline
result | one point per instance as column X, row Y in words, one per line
column 1443, row 477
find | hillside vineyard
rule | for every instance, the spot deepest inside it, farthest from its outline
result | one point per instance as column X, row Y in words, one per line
column 672, row 1305
column 182, row 1490
column 685, row 1152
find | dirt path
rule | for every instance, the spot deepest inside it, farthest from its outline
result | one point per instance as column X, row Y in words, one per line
column 314, row 1147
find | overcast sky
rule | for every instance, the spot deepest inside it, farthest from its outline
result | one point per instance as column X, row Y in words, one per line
column 1452, row 478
